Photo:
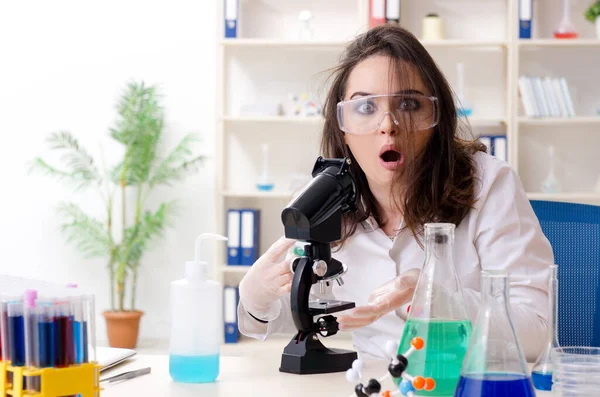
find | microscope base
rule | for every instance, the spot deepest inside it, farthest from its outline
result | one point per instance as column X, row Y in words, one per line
column 309, row 356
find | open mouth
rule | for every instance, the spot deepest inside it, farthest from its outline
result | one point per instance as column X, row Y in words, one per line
column 391, row 156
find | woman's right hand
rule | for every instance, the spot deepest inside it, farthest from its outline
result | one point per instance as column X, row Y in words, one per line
column 267, row 280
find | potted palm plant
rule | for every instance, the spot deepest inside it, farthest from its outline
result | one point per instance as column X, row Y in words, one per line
column 139, row 130
column 592, row 14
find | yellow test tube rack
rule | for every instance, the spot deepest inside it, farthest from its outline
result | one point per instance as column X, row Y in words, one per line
column 81, row 380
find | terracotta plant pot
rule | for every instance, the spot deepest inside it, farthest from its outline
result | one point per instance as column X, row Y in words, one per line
column 123, row 328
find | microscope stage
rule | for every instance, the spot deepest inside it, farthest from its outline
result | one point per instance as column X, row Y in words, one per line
column 328, row 306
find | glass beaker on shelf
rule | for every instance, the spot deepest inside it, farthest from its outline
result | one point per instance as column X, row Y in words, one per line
column 541, row 374
column 495, row 364
column 438, row 315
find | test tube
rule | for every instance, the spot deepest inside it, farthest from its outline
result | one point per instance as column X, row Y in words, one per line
column 5, row 351
column 16, row 332
column 63, row 332
column 31, row 338
column 89, row 328
column 78, row 330
column 46, row 338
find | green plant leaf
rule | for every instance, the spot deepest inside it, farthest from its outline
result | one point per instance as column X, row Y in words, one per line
column 87, row 233
column 151, row 225
column 80, row 166
column 179, row 163
column 139, row 129
column 592, row 12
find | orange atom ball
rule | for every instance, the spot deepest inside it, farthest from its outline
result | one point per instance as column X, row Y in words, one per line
column 386, row 394
column 429, row 384
column 417, row 343
column 418, row 382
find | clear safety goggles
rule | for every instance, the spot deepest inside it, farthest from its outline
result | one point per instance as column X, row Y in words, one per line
column 365, row 114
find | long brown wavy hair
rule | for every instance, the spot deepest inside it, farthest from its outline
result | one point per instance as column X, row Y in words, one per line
column 438, row 183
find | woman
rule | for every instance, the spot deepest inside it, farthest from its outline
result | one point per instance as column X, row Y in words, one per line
column 392, row 112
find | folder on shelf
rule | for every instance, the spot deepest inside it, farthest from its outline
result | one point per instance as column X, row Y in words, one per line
column 499, row 147
column 376, row 12
column 525, row 18
column 234, row 224
column 231, row 18
column 392, row 11
column 496, row 145
column 230, row 319
column 249, row 239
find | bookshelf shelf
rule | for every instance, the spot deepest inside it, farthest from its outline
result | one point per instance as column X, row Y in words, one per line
column 571, row 197
column 559, row 120
column 486, row 121
column 460, row 43
column 574, row 43
column 274, row 119
column 257, row 194
column 339, row 44
column 275, row 43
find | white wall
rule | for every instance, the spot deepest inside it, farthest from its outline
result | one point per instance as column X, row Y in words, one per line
column 62, row 66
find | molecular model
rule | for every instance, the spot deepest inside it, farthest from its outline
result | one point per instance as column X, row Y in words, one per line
column 398, row 364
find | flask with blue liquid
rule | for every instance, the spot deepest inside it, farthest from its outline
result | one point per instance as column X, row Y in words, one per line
column 495, row 364
column 196, row 313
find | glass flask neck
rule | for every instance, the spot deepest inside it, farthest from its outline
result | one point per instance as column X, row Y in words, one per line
column 439, row 239
column 438, row 294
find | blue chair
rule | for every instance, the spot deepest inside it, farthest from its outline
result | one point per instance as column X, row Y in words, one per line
column 574, row 232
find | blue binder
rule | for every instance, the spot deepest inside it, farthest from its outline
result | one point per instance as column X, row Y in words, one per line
column 234, row 225
column 249, row 240
column 231, row 18
column 525, row 17
column 496, row 144
column 230, row 318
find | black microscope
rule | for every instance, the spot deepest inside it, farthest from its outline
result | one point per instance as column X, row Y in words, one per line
column 315, row 217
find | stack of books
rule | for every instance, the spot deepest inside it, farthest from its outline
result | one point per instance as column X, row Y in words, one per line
column 546, row 97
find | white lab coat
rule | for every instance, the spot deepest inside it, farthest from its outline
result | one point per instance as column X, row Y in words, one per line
column 501, row 232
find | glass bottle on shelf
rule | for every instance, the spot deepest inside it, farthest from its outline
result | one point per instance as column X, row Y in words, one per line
column 495, row 364
column 438, row 315
column 265, row 182
column 463, row 106
column 541, row 374
column 566, row 29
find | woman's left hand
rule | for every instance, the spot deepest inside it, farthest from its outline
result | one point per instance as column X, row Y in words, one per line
column 384, row 299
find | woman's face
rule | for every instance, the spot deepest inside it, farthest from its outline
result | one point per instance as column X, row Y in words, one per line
column 378, row 152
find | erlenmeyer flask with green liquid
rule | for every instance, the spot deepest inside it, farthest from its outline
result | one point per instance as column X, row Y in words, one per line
column 438, row 315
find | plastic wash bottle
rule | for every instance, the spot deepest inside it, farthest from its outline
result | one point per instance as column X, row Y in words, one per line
column 196, row 317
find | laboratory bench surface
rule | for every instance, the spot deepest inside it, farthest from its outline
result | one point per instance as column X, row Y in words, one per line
column 246, row 369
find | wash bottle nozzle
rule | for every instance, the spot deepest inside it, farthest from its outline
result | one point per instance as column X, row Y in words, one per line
column 197, row 267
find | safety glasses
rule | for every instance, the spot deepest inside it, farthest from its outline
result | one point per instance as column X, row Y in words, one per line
column 364, row 115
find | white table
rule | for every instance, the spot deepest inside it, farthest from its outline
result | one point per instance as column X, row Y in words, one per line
column 247, row 375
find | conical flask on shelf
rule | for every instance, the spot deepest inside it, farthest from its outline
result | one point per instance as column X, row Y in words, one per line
column 495, row 364
column 541, row 374
column 438, row 315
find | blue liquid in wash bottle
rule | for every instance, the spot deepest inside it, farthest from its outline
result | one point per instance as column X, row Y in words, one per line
column 196, row 310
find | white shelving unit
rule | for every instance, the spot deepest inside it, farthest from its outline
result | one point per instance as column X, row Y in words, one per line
column 266, row 62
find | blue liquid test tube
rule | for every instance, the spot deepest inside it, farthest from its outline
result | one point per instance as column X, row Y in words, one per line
column 78, row 330
column 16, row 332
column 45, row 309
